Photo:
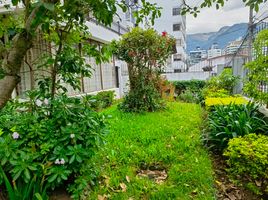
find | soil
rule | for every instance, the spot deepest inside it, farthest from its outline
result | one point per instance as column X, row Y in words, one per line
column 226, row 189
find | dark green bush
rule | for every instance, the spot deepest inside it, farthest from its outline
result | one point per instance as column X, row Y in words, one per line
column 144, row 99
column 106, row 97
column 44, row 143
column 193, row 85
column 248, row 158
column 230, row 121
column 101, row 100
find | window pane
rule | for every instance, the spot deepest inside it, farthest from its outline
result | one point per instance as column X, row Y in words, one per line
column 176, row 11
column 176, row 27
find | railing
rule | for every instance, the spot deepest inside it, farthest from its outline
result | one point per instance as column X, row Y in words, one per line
column 115, row 27
column 263, row 87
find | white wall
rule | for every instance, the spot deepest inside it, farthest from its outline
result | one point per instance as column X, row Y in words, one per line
column 187, row 76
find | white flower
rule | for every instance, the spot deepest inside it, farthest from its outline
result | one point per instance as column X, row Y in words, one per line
column 46, row 102
column 62, row 161
column 38, row 102
column 57, row 161
column 72, row 135
column 15, row 135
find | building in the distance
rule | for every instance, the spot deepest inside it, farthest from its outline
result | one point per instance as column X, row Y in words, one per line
column 172, row 22
column 214, row 51
column 197, row 56
column 233, row 47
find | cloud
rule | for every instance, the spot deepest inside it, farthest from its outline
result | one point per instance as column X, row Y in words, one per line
column 233, row 4
column 210, row 19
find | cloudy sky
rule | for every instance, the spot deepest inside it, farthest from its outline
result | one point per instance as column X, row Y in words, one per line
column 211, row 19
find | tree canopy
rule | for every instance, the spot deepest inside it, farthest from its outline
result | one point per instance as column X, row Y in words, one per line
column 254, row 4
column 63, row 24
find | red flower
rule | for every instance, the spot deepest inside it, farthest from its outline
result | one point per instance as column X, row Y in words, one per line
column 164, row 34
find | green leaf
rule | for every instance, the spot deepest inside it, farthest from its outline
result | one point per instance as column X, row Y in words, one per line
column 15, row 2
column 38, row 196
column 11, row 192
column 72, row 159
column 52, row 178
column 27, row 174
column 49, row 6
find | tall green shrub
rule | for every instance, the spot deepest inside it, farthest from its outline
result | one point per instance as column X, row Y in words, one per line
column 223, row 84
column 145, row 52
column 258, row 70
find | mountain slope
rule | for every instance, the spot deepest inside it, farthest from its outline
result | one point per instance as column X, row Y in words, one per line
column 222, row 37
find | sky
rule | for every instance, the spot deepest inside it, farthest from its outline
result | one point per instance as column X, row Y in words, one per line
column 210, row 19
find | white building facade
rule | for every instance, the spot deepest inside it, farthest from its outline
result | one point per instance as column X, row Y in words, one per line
column 214, row 51
column 172, row 22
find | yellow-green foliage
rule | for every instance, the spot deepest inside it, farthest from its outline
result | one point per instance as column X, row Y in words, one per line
column 225, row 101
column 248, row 157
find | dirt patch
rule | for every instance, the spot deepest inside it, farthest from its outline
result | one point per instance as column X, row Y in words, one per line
column 60, row 194
column 155, row 172
column 226, row 189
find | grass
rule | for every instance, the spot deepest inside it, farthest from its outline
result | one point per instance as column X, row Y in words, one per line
column 168, row 139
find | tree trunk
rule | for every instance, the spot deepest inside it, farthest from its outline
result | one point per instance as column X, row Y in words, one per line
column 22, row 42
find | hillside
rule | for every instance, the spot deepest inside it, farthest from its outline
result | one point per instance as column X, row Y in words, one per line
column 222, row 37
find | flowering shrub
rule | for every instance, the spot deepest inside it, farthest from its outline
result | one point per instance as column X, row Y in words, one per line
column 145, row 52
column 248, row 157
column 47, row 141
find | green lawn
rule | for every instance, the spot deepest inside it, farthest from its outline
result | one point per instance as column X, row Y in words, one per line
column 167, row 140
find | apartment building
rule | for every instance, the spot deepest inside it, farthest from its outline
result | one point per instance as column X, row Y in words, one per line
column 214, row 51
column 105, row 76
column 197, row 56
column 174, row 24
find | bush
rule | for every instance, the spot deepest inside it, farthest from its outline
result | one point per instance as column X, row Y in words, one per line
column 230, row 121
column 223, row 83
column 215, row 93
column 101, row 100
column 145, row 52
column 142, row 100
column 193, row 85
column 257, row 76
column 189, row 97
column 210, row 102
column 47, row 142
column 107, row 97
column 248, row 157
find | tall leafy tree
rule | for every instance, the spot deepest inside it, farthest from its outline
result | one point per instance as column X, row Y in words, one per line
column 63, row 25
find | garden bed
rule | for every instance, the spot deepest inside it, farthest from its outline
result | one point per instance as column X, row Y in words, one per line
column 154, row 156
column 226, row 189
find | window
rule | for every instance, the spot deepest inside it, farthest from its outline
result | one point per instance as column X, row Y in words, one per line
column 176, row 11
column 177, row 70
column 176, row 27
column 177, row 57
column 178, row 42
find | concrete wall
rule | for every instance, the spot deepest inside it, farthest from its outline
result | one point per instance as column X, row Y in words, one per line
column 187, row 76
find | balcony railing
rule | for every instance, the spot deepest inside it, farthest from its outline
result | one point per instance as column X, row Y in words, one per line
column 115, row 26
